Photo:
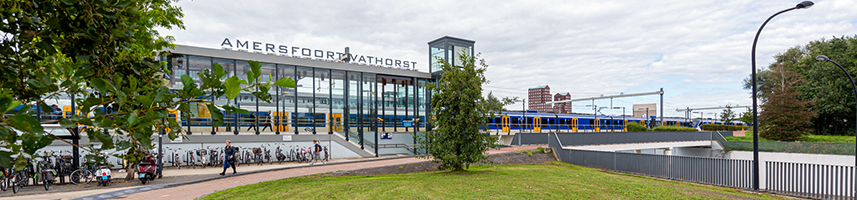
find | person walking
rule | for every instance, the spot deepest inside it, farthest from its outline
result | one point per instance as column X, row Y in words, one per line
column 316, row 153
column 251, row 121
column 267, row 123
column 230, row 158
column 57, row 114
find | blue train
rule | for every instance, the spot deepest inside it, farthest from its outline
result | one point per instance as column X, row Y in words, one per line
column 503, row 122
column 506, row 122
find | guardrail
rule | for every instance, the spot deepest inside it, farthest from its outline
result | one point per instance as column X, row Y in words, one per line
column 716, row 171
column 810, row 180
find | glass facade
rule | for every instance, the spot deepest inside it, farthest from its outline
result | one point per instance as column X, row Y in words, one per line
column 356, row 105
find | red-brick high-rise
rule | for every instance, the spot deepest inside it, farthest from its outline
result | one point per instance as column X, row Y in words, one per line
column 562, row 108
column 537, row 96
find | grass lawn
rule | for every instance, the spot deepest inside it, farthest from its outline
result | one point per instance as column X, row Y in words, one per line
column 807, row 138
column 554, row 180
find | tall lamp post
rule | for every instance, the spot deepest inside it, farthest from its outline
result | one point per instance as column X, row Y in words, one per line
column 805, row 4
column 825, row 58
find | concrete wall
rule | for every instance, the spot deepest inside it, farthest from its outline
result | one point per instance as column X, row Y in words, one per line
column 575, row 139
column 400, row 139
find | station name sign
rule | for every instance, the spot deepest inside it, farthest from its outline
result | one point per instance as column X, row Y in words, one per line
column 269, row 48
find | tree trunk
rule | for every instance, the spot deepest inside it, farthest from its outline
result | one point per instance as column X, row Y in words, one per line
column 131, row 172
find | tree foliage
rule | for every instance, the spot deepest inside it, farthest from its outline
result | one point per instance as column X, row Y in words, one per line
column 824, row 84
column 104, row 54
column 459, row 111
column 495, row 105
column 747, row 117
column 727, row 115
column 785, row 116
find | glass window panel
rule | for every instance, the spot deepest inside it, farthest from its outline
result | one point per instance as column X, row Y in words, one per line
column 287, row 98
column 353, row 109
column 267, row 109
column 200, row 117
column 437, row 52
column 179, row 68
column 322, row 98
column 370, row 117
column 245, row 99
column 228, row 118
column 305, row 89
column 422, row 97
column 338, row 116
column 196, row 65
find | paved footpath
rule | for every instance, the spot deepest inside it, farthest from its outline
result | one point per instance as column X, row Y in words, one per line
column 192, row 191
column 196, row 188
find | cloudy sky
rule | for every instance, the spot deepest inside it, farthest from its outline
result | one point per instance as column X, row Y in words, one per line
column 697, row 51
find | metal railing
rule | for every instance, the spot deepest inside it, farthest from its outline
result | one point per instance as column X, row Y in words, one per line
column 810, row 180
column 716, row 171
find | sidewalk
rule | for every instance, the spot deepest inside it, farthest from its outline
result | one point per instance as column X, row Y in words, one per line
column 193, row 183
column 192, row 191
column 171, row 176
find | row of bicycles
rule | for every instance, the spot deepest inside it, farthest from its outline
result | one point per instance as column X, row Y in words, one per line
column 42, row 170
column 266, row 153
column 56, row 167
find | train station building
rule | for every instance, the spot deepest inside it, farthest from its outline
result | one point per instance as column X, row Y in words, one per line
column 361, row 97
column 359, row 105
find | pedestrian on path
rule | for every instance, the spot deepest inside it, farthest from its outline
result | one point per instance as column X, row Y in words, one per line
column 315, row 152
column 230, row 159
column 267, row 123
column 252, row 121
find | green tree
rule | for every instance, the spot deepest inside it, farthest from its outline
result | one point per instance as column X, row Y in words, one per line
column 727, row 115
column 824, row 85
column 785, row 116
column 495, row 105
column 104, row 53
column 828, row 87
column 747, row 117
column 459, row 112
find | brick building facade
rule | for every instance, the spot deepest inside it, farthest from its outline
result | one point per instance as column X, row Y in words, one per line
column 537, row 96
column 562, row 108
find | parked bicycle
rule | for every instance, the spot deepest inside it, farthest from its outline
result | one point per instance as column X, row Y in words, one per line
column 326, row 155
column 44, row 173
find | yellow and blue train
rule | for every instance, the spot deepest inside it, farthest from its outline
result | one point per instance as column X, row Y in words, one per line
column 507, row 122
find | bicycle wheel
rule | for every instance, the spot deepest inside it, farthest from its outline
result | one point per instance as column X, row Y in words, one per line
column 76, row 176
column 4, row 182
column 88, row 176
column 15, row 185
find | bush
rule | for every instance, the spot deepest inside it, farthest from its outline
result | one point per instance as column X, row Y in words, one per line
column 636, row 127
column 718, row 127
column 673, row 129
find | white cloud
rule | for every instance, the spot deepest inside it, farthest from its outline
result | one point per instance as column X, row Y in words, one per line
column 586, row 48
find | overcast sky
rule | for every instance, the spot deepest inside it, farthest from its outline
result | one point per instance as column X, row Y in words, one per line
column 697, row 51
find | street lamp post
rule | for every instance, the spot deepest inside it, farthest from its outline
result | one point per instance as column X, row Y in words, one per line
column 805, row 4
column 524, row 107
column 825, row 58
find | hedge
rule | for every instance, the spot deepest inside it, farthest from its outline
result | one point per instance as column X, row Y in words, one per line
column 718, row 127
column 673, row 129
column 636, row 127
